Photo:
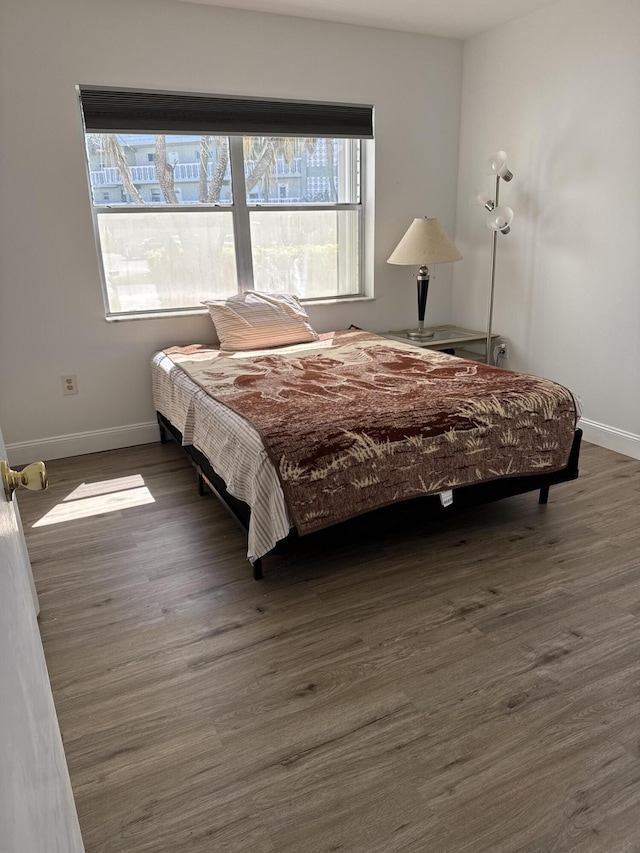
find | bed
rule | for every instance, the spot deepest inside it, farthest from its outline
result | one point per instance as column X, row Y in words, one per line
column 296, row 438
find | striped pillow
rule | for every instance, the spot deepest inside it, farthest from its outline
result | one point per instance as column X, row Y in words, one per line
column 253, row 320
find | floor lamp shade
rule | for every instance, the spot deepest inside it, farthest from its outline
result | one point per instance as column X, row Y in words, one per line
column 425, row 242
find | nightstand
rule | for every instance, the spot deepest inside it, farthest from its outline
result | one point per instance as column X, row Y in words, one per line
column 453, row 339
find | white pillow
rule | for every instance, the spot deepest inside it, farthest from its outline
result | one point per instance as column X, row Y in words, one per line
column 253, row 320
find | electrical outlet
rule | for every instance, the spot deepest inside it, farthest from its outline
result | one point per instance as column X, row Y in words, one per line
column 69, row 384
column 503, row 349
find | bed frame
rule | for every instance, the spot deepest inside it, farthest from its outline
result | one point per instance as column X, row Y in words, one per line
column 463, row 497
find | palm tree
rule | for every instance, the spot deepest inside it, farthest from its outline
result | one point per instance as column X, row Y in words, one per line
column 116, row 157
column 262, row 152
column 222, row 161
column 164, row 170
column 265, row 151
column 209, row 191
column 205, row 142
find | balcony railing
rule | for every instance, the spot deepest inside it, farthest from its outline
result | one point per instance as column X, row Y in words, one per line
column 104, row 177
column 109, row 176
column 147, row 174
column 283, row 169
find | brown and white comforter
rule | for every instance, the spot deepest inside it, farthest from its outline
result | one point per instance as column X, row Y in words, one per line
column 355, row 421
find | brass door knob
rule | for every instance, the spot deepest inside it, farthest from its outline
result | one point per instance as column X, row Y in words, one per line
column 32, row 477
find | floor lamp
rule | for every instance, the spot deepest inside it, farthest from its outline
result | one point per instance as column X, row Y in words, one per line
column 498, row 220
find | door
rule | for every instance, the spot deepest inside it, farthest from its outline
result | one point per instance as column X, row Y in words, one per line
column 37, row 812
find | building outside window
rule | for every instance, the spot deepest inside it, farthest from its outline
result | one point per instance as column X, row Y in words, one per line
column 265, row 212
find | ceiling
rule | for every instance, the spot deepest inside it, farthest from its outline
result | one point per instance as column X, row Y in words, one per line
column 450, row 18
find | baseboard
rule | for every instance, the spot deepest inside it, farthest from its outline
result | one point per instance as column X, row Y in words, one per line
column 619, row 440
column 79, row 443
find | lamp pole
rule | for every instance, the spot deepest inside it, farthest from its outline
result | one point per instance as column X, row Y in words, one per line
column 494, row 239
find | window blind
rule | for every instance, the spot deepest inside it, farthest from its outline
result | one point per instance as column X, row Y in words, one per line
column 108, row 110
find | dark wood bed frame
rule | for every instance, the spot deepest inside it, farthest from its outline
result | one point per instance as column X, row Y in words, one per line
column 463, row 497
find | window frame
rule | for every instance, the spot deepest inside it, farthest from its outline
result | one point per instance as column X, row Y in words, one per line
column 240, row 208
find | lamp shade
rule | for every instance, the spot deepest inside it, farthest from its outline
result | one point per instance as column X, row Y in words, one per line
column 484, row 199
column 500, row 219
column 498, row 166
column 426, row 242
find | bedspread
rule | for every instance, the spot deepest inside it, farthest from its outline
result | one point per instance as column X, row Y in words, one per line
column 354, row 421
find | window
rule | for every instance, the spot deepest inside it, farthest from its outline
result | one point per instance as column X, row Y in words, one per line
column 263, row 210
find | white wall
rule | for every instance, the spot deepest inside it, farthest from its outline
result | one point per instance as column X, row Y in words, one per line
column 559, row 90
column 51, row 310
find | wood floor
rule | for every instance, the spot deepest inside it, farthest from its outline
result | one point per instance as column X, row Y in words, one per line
column 465, row 684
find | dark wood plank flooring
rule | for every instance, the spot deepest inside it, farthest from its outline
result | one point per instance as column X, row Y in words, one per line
column 465, row 683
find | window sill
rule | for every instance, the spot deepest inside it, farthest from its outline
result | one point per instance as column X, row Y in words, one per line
column 202, row 312
column 337, row 300
column 155, row 315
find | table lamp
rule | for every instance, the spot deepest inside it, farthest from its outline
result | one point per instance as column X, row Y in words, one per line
column 425, row 242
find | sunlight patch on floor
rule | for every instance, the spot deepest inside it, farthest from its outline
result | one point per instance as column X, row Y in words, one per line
column 105, row 487
column 90, row 499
